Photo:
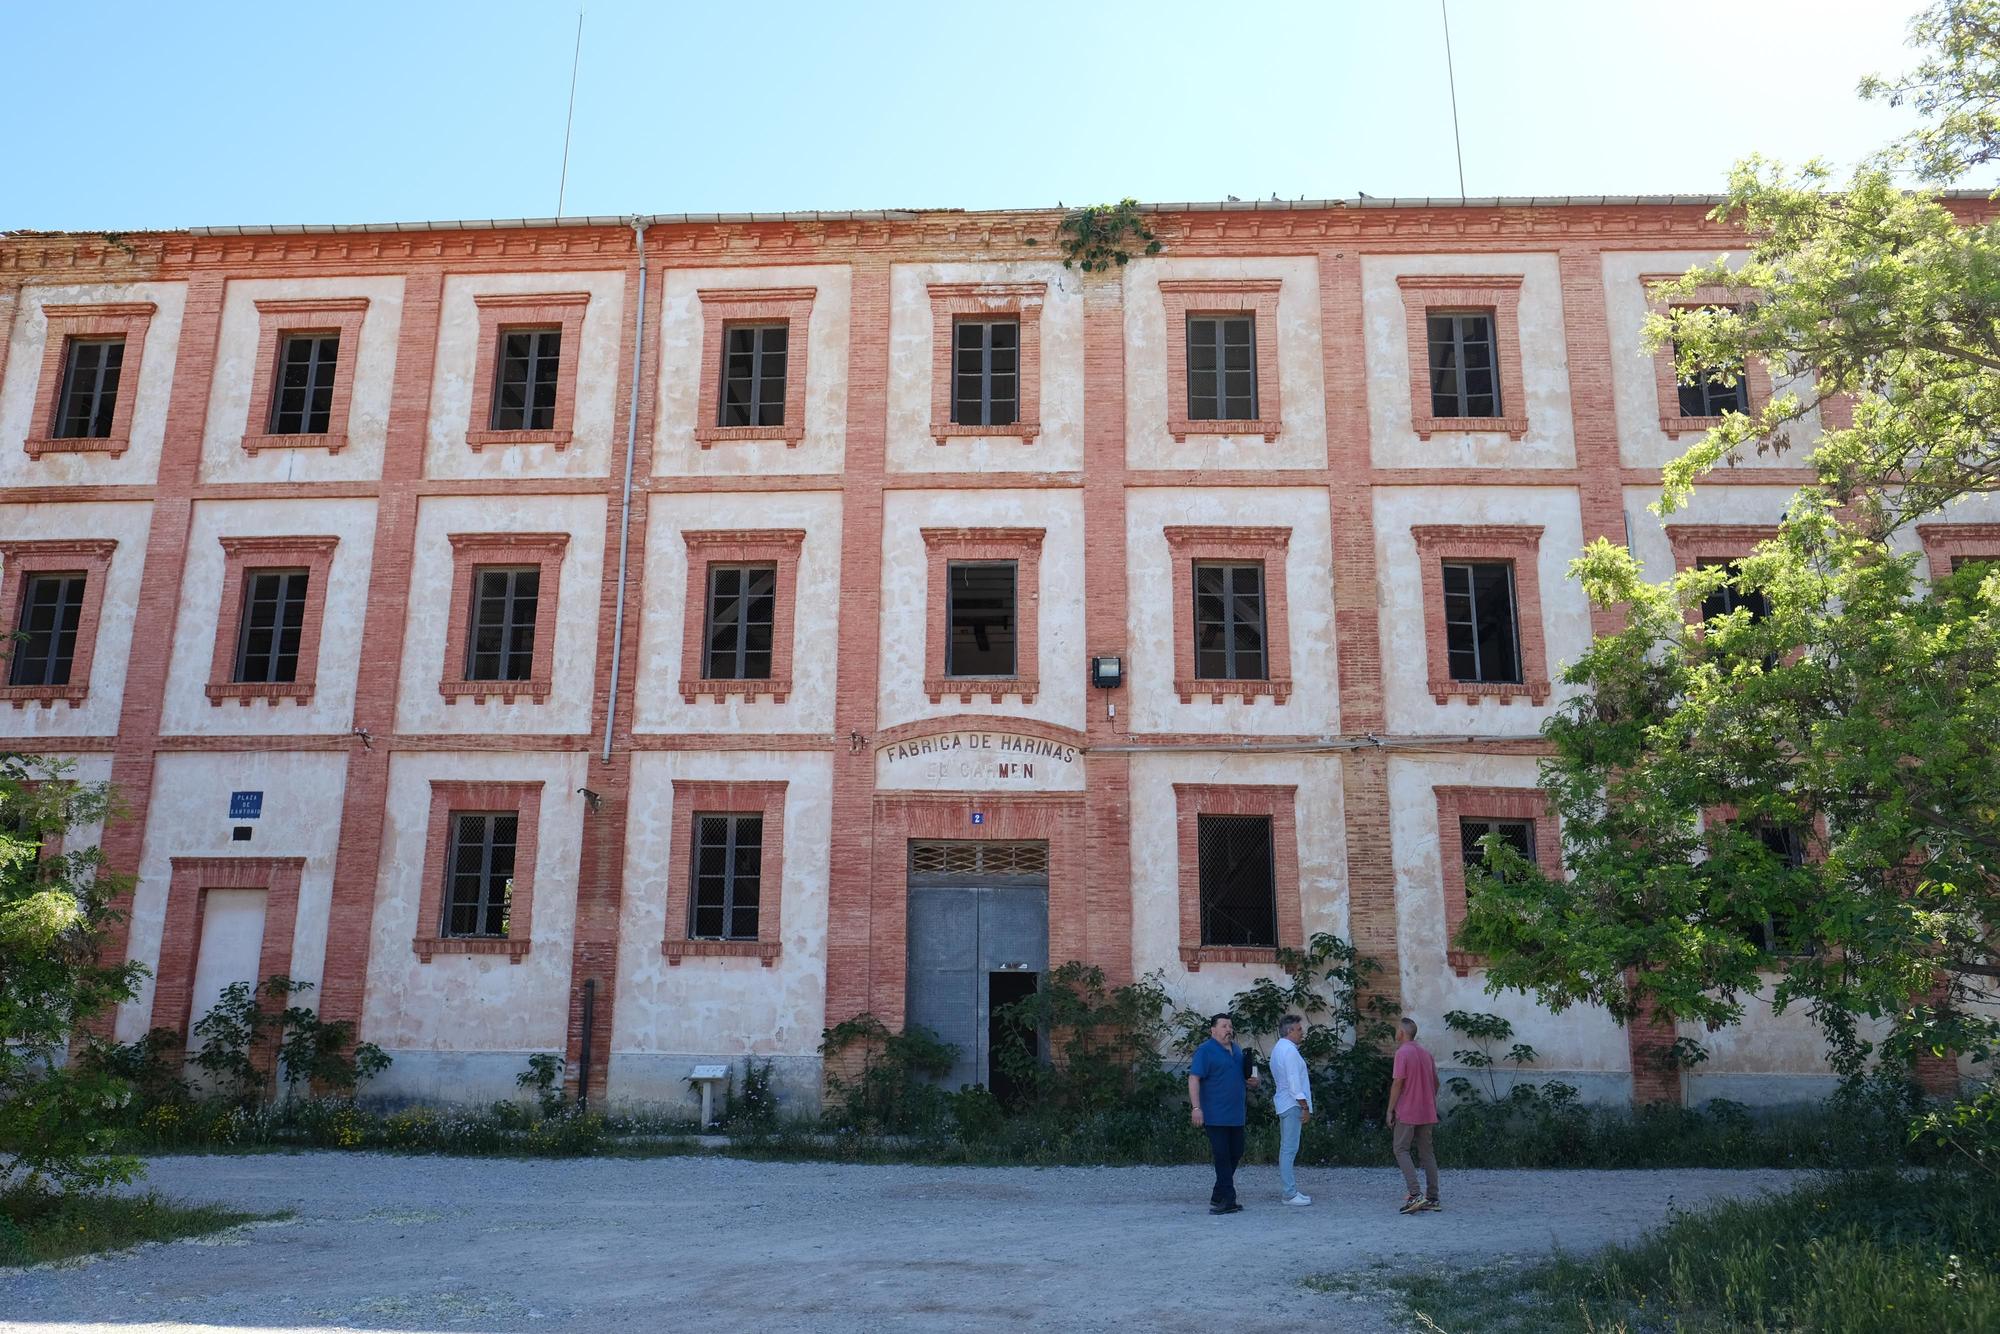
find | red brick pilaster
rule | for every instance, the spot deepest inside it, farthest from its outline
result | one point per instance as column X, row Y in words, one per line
column 1107, row 798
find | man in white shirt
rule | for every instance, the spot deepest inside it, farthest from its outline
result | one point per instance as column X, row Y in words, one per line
column 1292, row 1096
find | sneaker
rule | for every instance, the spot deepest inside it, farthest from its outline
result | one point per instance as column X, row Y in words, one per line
column 1433, row 1207
column 1300, row 1198
column 1412, row 1204
column 1218, row 1208
column 1232, row 1208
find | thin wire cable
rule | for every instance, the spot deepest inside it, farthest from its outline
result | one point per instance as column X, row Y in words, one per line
column 575, row 58
column 1452, row 79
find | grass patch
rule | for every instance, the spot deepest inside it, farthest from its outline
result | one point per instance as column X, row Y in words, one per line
column 36, row 1228
column 1861, row 1253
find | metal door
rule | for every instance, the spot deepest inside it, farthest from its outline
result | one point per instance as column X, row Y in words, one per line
column 975, row 909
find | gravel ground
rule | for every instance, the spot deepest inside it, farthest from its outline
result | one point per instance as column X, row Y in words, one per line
column 716, row 1244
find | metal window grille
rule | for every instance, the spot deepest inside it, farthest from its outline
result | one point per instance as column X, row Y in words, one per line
column 981, row 612
column 501, row 645
column 89, row 398
column 1222, row 368
column 753, row 374
column 1482, row 634
column 1777, row 933
column 304, row 402
column 45, row 643
column 986, row 372
column 742, row 601
column 728, row 876
column 1463, row 381
column 1730, row 597
column 524, row 385
column 978, row 860
column 1520, row 834
column 274, row 617
column 1239, row 898
column 1229, row 640
column 479, row 873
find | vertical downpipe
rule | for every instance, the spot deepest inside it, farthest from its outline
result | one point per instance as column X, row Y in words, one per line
column 583, row 1058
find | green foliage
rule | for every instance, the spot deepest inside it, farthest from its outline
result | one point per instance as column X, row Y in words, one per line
column 755, row 1105
column 1104, row 1045
column 1969, row 1129
column 543, row 1078
column 1104, row 236
column 39, row 1227
column 151, row 1066
column 311, row 1052
column 895, row 1091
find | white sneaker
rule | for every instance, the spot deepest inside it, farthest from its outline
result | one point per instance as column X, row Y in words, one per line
column 1298, row 1199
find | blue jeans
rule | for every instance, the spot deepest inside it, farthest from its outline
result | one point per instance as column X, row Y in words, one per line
column 1289, row 1122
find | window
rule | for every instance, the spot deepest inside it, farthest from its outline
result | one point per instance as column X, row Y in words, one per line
column 51, row 612
column 1776, row 933
column 89, row 397
column 524, row 389
column 1481, row 632
column 740, row 618
column 1222, row 368
column 1730, row 597
column 1949, row 547
column 728, row 861
column 303, row 404
column 982, row 619
column 753, row 375
column 1686, row 408
column 1464, row 382
column 1523, row 819
column 480, row 884
column 1238, row 884
column 1713, row 394
column 274, row 616
column 501, row 645
column 986, row 363
column 1229, row 622
column 1518, row 834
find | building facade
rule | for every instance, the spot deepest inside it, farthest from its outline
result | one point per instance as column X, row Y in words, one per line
column 653, row 643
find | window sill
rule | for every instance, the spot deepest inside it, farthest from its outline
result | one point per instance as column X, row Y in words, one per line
column 1426, row 427
column 245, row 691
column 1535, row 692
column 478, row 440
column 946, row 432
column 711, row 435
column 969, row 688
column 1268, row 427
column 504, row 691
column 1217, row 691
column 1194, row 956
column 22, row 696
column 1677, row 426
column 777, row 689
column 330, row 441
column 675, row 950
column 38, row 445
column 426, row 946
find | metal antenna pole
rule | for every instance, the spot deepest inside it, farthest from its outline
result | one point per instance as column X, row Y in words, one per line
column 1452, row 79
column 576, row 56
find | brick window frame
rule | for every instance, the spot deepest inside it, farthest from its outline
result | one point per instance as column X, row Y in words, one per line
column 1944, row 541
column 1024, row 302
column 448, row 796
column 1519, row 545
column 1693, row 543
column 692, row 797
column 105, row 319
column 18, row 560
column 778, row 547
column 180, row 934
column 278, row 320
column 942, row 547
column 722, row 307
column 1280, row 803
column 1500, row 295
column 241, row 555
column 1487, row 803
column 469, row 551
column 1257, row 297
column 501, row 311
column 1756, row 377
column 1186, row 546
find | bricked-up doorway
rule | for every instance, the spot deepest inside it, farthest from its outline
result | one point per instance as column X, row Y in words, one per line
column 978, row 940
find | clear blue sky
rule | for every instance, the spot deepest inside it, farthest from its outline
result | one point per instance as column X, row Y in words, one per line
column 133, row 115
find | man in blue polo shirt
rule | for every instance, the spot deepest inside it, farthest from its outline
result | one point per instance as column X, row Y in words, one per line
column 1217, row 1104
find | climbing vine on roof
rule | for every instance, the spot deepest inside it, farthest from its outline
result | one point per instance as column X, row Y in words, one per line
column 1104, row 236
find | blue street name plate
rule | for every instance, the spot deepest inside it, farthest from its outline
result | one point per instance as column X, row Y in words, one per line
column 246, row 805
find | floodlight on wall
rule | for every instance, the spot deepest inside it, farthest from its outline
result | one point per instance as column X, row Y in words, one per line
column 1107, row 673
column 594, row 800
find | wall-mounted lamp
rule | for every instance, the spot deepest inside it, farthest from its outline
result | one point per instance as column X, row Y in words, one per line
column 594, row 800
column 1107, row 673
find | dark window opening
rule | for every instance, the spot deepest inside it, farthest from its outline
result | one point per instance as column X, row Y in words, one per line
column 1712, row 394
column 524, row 386
column 1730, row 596
column 1482, row 633
column 728, row 873
column 274, row 618
column 89, row 398
column 1517, row 834
column 1777, row 933
column 1229, row 639
column 1239, row 899
column 742, row 602
column 45, row 643
column 1464, row 378
column 501, row 644
column 986, row 372
column 479, row 874
column 753, row 374
column 304, row 403
column 1222, row 368
column 981, row 616
column 1960, row 562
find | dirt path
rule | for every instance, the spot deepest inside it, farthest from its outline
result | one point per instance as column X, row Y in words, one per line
column 403, row 1243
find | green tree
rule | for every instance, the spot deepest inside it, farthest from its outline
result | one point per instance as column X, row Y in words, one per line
column 1852, row 728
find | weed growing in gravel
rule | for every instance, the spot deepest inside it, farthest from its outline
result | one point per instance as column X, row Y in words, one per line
column 38, row 1226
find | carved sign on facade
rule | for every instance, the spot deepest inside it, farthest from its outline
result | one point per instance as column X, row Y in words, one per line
column 981, row 761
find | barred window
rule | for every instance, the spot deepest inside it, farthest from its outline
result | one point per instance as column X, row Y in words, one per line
column 524, row 385
column 986, row 372
column 1222, row 368
column 303, row 404
column 742, row 601
column 1777, row 933
column 274, row 617
column 1229, row 643
column 45, row 631
column 1464, row 382
column 479, row 873
column 1519, row 834
column 501, row 645
column 1239, row 894
column 1482, row 631
column 1730, row 597
column 753, row 374
column 89, row 398
column 981, row 617
column 728, row 874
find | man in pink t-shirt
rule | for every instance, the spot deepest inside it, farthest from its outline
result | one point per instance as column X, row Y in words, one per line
column 1413, row 1114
